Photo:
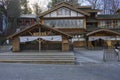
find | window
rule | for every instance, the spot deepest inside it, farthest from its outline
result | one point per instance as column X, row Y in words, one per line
column 108, row 24
column 81, row 23
column 65, row 23
column 60, row 12
column 67, row 11
column 118, row 23
column 63, row 11
column 115, row 23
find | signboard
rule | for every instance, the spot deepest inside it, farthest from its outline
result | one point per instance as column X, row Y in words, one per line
column 41, row 33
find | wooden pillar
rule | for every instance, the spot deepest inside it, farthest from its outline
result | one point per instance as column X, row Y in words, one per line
column 84, row 24
column 65, row 44
column 87, row 39
column 16, row 44
column 40, row 45
column 42, row 21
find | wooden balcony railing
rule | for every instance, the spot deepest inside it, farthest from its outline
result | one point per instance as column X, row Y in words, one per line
column 110, row 27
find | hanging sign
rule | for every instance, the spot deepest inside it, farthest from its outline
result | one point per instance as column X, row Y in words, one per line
column 41, row 33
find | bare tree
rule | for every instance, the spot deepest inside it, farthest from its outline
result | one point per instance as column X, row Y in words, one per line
column 80, row 2
column 74, row 2
column 96, row 4
column 25, row 7
column 37, row 10
column 115, row 6
column 110, row 6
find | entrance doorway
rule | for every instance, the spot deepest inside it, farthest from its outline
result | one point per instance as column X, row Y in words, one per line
column 41, row 43
column 98, row 43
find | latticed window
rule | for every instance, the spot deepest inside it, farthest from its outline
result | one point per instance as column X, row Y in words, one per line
column 108, row 24
column 115, row 23
column 63, row 11
column 67, row 11
column 60, row 12
column 66, row 23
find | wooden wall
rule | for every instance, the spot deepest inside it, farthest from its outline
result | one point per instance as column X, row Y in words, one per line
column 65, row 44
column 16, row 44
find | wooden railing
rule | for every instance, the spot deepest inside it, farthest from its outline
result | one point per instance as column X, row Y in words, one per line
column 111, row 55
column 109, row 27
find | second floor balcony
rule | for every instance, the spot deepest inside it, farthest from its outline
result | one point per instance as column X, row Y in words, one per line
column 110, row 27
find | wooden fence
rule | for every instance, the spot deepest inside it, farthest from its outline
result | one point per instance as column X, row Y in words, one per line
column 110, row 55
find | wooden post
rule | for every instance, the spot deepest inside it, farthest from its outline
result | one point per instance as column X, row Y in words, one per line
column 39, row 45
column 39, row 40
column 16, row 44
column 65, row 44
column 87, row 39
column 84, row 24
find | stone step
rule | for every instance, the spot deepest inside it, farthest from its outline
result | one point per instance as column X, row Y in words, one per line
column 36, row 55
column 62, row 58
column 36, row 60
column 40, row 58
column 32, row 56
column 40, row 61
column 49, row 54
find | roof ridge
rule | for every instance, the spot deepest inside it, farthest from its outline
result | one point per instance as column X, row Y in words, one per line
column 38, row 24
column 64, row 5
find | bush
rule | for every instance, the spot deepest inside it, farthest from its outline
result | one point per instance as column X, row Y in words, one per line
column 2, row 40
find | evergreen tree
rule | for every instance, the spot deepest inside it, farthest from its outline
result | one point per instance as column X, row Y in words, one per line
column 13, row 9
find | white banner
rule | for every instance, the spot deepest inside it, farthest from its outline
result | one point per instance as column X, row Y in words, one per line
column 48, row 38
column 93, row 38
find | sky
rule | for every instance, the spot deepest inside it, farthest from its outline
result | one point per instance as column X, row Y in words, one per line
column 43, row 3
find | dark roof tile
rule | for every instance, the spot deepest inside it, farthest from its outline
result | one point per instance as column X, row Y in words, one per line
column 108, row 16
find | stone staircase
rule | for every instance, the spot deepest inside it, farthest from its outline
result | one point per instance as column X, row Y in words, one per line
column 44, row 57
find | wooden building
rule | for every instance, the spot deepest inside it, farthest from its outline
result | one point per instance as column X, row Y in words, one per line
column 40, row 43
column 26, row 20
column 80, row 22
column 78, row 26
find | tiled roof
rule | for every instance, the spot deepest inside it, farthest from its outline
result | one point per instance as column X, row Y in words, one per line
column 115, row 16
column 103, row 30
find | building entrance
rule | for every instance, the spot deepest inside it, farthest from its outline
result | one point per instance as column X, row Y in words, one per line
column 40, row 37
column 41, row 43
column 98, row 43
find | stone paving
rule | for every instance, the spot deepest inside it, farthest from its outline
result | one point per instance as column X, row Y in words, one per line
column 90, row 67
column 20, row 71
column 89, row 56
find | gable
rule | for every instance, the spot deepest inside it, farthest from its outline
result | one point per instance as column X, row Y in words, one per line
column 106, row 32
column 35, row 30
column 64, row 12
column 64, row 7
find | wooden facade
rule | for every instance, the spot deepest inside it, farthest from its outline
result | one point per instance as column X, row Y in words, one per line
column 39, row 28
column 26, row 20
column 78, row 26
